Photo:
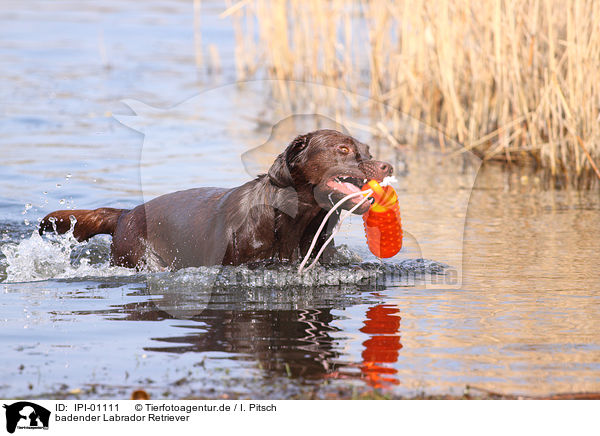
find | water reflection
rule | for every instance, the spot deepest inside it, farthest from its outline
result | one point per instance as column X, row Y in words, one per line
column 380, row 351
column 293, row 342
column 382, row 323
column 298, row 343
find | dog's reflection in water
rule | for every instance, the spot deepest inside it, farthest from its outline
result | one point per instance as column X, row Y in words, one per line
column 299, row 343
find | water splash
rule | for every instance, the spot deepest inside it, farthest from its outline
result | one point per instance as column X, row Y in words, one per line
column 36, row 258
column 347, row 269
column 57, row 257
column 273, row 285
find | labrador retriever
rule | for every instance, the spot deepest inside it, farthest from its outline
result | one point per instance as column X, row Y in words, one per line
column 273, row 217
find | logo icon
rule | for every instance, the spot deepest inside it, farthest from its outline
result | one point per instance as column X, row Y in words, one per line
column 26, row 415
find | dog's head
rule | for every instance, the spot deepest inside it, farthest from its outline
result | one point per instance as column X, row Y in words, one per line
column 329, row 164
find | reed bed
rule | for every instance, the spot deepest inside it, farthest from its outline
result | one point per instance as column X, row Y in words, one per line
column 516, row 81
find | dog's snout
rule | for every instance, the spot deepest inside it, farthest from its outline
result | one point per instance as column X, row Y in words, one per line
column 375, row 169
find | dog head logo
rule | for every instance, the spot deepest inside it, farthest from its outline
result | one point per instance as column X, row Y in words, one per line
column 26, row 415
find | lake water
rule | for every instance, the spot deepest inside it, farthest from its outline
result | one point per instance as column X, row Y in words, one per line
column 105, row 106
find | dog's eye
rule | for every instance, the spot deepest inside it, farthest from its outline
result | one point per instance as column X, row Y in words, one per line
column 344, row 149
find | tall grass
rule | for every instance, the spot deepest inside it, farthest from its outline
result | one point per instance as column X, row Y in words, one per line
column 511, row 80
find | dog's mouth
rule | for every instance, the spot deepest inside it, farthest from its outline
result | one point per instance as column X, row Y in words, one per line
column 346, row 184
column 342, row 185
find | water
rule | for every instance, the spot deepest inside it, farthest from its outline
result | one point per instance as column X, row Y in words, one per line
column 517, row 311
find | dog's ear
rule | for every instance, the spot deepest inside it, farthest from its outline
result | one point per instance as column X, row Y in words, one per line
column 279, row 173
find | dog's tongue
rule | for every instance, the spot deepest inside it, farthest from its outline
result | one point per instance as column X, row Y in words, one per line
column 351, row 188
column 346, row 187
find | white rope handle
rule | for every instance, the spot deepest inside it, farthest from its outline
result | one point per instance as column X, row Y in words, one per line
column 337, row 229
column 386, row 181
column 314, row 241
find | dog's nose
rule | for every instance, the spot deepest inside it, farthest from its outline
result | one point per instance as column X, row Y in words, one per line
column 375, row 169
column 386, row 168
column 382, row 169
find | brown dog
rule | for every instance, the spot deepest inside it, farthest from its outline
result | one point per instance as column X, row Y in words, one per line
column 274, row 216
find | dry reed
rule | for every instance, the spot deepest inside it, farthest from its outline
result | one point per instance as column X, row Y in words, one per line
column 511, row 80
